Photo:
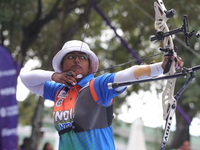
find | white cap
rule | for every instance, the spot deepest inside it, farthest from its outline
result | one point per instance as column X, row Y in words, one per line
column 71, row 46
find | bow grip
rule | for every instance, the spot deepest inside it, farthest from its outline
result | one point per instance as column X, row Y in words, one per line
column 167, row 66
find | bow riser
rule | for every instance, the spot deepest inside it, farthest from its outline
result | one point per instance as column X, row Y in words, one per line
column 168, row 101
column 161, row 25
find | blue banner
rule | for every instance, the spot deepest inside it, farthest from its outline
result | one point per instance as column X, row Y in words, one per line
column 9, row 71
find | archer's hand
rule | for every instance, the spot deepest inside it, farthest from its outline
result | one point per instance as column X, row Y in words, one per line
column 65, row 79
column 178, row 62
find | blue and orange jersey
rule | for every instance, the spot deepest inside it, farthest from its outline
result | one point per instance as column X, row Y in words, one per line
column 64, row 101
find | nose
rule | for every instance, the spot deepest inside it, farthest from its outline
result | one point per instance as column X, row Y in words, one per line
column 77, row 60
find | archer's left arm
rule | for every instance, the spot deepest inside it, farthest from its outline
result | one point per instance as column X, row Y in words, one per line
column 141, row 72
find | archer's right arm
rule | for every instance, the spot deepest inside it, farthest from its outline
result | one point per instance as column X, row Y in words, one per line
column 34, row 80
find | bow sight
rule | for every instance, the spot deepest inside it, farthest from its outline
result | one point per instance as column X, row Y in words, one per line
column 160, row 35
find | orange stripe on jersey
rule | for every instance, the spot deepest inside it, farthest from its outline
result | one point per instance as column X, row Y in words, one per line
column 66, row 100
column 93, row 92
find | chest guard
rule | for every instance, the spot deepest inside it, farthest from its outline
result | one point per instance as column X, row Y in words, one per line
column 88, row 114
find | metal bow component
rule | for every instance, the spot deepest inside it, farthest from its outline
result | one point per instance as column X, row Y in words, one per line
column 161, row 18
column 163, row 33
column 168, row 101
column 160, row 35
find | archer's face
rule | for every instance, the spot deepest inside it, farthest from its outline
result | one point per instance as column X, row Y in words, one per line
column 76, row 61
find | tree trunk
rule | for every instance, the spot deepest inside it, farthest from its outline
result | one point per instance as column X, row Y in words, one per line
column 36, row 125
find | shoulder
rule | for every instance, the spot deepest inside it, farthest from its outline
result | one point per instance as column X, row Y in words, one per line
column 105, row 78
column 53, row 85
column 51, row 88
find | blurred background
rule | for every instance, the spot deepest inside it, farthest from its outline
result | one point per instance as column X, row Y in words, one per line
column 32, row 32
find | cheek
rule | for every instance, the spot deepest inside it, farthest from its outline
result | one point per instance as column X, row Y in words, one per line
column 65, row 65
column 86, row 68
column 89, row 69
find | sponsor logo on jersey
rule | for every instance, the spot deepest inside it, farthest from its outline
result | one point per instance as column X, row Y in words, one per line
column 62, row 94
column 59, row 102
column 63, row 115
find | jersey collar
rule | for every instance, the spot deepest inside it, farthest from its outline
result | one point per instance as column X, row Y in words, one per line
column 85, row 80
